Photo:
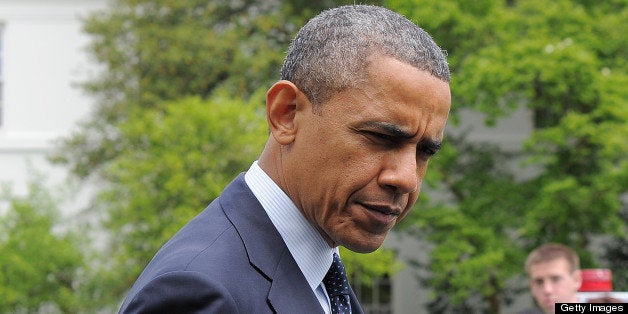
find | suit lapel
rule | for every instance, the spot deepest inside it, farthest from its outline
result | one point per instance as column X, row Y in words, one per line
column 356, row 308
column 267, row 251
column 287, row 294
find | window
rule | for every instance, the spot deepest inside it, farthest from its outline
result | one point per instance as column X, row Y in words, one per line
column 375, row 296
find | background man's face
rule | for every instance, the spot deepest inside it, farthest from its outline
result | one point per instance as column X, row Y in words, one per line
column 552, row 282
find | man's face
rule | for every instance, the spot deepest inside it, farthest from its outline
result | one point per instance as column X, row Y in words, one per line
column 360, row 160
column 553, row 282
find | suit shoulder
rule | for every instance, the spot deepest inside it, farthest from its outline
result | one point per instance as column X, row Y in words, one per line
column 210, row 231
column 181, row 292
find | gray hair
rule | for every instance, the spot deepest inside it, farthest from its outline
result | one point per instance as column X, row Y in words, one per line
column 329, row 54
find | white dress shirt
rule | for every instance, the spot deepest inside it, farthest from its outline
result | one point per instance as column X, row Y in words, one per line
column 308, row 248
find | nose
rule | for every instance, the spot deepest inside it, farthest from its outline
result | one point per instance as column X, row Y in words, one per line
column 547, row 287
column 400, row 171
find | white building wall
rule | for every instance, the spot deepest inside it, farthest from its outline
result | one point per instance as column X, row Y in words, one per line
column 42, row 58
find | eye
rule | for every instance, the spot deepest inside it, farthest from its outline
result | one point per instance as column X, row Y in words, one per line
column 424, row 149
column 428, row 148
column 382, row 138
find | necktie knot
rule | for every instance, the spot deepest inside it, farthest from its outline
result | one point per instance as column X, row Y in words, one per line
column 337, row 287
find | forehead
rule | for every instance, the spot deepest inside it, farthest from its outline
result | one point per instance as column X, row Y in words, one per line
column 400, row 94
column 556, row 267
column 404, row 79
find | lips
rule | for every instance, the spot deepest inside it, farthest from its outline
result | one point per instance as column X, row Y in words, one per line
column 549, row 303
column 383, row 209
column 380, row 218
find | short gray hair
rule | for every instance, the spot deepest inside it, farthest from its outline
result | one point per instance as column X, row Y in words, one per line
column 329, row 54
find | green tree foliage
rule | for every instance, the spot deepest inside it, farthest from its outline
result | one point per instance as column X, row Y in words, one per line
column 376, row 264
column 159, row 50
column 40, row 264
column 617, row 257
column 471, row 227
column 182, row 156
column 565, row 61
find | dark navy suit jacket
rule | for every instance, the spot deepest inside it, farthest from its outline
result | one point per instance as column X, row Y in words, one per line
column 229, row 259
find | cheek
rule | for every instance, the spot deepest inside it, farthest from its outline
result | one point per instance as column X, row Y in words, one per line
column 357, row 166
column 412, row 198
column 422, row 170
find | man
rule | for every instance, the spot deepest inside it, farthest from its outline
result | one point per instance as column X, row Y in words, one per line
column 554, row 274
column 361, row 107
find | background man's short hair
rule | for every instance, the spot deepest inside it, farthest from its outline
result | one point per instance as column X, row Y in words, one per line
column 552, row 251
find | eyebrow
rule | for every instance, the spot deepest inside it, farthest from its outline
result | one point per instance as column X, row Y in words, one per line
column 390, row 129
column 395, row 131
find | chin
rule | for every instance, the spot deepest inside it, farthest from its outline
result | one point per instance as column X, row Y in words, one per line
column 363, row 247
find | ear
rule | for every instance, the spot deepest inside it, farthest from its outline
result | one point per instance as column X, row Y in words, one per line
column 577, row 277
column 281, row 108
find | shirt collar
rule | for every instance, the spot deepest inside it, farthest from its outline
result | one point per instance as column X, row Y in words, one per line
column 308, row 248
